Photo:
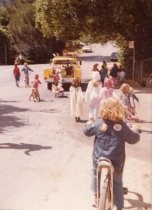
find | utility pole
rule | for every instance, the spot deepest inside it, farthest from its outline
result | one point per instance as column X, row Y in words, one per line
column 132, row 46
column 5, row 53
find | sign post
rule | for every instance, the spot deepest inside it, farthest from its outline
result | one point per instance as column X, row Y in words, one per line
column 132, row 46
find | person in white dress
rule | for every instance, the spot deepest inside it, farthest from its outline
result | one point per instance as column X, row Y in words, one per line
column 76, row 99
column 93, row 95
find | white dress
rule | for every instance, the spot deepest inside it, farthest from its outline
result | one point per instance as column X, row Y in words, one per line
column 76, row 101
column 93, row 98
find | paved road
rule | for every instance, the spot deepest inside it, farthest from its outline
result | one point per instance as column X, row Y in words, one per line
column 45, row 158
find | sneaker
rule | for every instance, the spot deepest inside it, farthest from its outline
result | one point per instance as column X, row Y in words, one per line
column 78, row 118
column 95, row 201
column 94, row 204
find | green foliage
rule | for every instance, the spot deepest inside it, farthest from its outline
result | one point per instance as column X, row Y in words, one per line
column 102, row 20
column 60, row 18
column 32, row 24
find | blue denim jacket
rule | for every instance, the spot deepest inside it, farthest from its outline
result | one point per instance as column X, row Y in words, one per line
column 111, row 143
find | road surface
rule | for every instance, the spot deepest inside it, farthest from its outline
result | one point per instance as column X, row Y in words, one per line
column 45, row 157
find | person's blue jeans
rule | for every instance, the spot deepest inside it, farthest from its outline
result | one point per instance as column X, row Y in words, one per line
column 117, row 186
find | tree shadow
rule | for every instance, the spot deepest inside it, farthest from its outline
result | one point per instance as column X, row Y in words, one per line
column 145, row 91
column 138, row 203
column 146, row 131
column 139, row 121
column 3, row 101
column 7, row 118
column 83, row 121
column 27, row 147
column 97, row 58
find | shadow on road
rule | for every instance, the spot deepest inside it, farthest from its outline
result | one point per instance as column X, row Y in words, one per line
column 145, row 91
column 94, row 58
column 7, row 117
column 27, row 147
column 137, row 203
column 3, row 101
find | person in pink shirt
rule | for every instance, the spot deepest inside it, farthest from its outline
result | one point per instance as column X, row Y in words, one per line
column 35, row 91
column 107, row 90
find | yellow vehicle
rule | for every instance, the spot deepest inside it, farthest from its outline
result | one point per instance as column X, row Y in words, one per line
column 69, row 66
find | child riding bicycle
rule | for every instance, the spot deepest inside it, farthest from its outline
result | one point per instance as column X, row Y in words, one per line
column 111, row 132
column 35, row 91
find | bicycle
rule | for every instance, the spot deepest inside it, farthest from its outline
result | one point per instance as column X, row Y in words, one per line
column 105, row 184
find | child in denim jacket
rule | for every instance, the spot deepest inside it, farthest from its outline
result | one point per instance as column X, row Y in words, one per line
column 111, row 133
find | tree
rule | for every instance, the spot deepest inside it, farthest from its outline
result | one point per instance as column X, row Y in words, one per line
column 102, row 19
column 23, row 35
column 62, row 19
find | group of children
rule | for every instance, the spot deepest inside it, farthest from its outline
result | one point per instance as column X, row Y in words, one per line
column 108, row 123
column 95, row 95
column 108, row 113
column 35, row 83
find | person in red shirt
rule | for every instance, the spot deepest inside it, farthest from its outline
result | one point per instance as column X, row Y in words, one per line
column 16, row 72
column 35, row 92
column 55, row 78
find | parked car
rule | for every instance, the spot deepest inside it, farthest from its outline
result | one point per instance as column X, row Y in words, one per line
column 87, row 49
column 114, row 56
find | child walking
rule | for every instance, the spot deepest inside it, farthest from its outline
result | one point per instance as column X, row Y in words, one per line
column 128, row 100
column 111, row 133
column 16, row 72
column 93, row 95
column 26, row 70
column 76, row 99
column 107, row 90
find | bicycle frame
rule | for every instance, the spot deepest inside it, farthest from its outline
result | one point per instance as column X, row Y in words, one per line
column 104, row 184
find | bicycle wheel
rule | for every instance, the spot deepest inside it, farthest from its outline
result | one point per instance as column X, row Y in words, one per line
column 105, row 199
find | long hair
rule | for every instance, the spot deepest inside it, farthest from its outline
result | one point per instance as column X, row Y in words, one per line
column 76, row 82
column 112, row 109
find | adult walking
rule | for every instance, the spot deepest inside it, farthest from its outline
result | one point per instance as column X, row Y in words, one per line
column 26, row 70
column 103, row 73
column 114, row 73
column 16, row 72
column 121, row 75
